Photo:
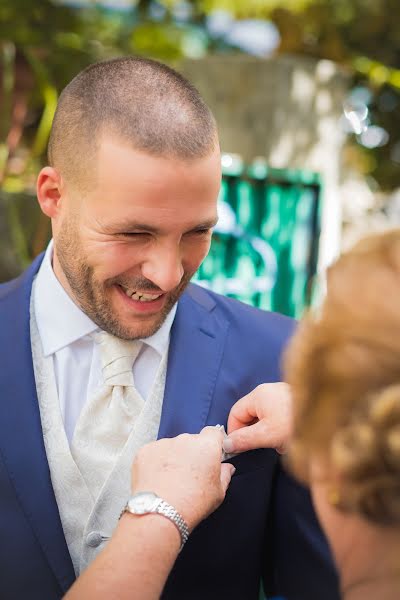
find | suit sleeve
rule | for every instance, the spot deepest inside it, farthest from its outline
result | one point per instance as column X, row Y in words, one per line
column 298, row 562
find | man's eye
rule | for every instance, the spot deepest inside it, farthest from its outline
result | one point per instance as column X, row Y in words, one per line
column 133, row 234
column 201, row 231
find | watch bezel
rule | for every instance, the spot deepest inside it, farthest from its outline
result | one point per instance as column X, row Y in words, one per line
column 143, row 503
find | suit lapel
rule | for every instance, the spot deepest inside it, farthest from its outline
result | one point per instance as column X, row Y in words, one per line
column 197, row 342
column 21, row 439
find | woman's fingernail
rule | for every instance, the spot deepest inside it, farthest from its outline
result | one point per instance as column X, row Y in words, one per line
column 233, row 469
column 228, row 445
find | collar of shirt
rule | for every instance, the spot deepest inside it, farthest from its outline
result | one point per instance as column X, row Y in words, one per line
column 51, row 301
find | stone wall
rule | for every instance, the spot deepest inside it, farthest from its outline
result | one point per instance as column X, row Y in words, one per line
column 286, row 109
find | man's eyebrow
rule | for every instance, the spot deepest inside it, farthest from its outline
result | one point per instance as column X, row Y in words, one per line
column 209, row 224
column 133, row 226
column 136, row 226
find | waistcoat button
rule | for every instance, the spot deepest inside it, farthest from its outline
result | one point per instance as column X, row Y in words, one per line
column 94, row 539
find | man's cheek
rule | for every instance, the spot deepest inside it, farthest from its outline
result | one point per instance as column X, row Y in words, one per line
column 199, row 256
column 111, row 259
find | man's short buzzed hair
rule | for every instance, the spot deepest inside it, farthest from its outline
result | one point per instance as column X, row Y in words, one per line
column 138, row 100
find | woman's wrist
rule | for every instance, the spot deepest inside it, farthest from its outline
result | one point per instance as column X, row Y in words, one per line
column 156, row 527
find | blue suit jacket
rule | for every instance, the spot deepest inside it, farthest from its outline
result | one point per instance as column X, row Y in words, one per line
column 220, row 350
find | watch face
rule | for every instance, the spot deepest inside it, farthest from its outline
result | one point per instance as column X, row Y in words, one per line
column 143, row 502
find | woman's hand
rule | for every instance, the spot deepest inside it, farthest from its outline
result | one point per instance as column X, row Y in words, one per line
column 262, row 419
column 186, row 471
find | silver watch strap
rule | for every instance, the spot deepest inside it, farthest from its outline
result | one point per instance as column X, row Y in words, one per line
column 172, row 514
column 168, row 511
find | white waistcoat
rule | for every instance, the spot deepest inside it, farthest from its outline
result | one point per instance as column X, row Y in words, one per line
column 87, row 522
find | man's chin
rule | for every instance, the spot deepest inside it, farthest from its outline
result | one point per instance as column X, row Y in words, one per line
column 131, row 327
column 132, row 331
column 132, row 319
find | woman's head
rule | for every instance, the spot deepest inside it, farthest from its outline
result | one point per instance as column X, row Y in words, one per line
column 344, row 369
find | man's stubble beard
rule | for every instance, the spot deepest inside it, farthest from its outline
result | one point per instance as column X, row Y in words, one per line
column 91, row 296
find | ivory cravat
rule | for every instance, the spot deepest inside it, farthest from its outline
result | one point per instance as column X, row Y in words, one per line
column 107, row 419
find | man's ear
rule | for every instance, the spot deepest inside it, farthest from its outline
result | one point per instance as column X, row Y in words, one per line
column 48, row 189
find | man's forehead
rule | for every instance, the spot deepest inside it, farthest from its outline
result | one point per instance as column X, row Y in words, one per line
column 108, row 140
column 124, row 167
column 129, row 181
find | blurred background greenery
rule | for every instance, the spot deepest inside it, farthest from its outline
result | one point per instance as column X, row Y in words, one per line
column 44, row 43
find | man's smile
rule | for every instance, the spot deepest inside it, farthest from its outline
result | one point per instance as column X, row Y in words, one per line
column 143, row 302
column 140, row 296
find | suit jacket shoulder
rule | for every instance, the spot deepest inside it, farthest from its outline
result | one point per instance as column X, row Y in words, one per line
column 257, row 336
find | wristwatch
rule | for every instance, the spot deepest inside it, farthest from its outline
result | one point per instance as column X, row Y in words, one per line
column 146, row 503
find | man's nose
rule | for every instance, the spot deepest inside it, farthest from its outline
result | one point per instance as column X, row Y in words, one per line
column 164, row 269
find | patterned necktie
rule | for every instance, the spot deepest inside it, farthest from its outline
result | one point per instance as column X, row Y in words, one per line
column 107, row 419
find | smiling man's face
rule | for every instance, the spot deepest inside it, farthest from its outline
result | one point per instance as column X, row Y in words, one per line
column 126, row 251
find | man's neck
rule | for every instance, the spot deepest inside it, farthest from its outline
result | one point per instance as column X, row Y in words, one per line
column 59, row 273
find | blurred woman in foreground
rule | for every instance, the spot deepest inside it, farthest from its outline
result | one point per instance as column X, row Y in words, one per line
column 343, row 366
column 344, row 369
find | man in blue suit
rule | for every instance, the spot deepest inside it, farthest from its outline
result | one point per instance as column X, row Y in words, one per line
column 131, row 191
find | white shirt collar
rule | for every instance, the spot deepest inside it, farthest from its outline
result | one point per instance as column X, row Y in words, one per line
column 61, row 322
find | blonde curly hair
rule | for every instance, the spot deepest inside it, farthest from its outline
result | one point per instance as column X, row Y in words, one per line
column 344, row 368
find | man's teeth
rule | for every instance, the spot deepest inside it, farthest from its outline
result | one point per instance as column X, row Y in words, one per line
column 140, row 296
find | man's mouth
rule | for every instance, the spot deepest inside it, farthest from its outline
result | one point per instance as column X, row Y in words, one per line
column 140, row 296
